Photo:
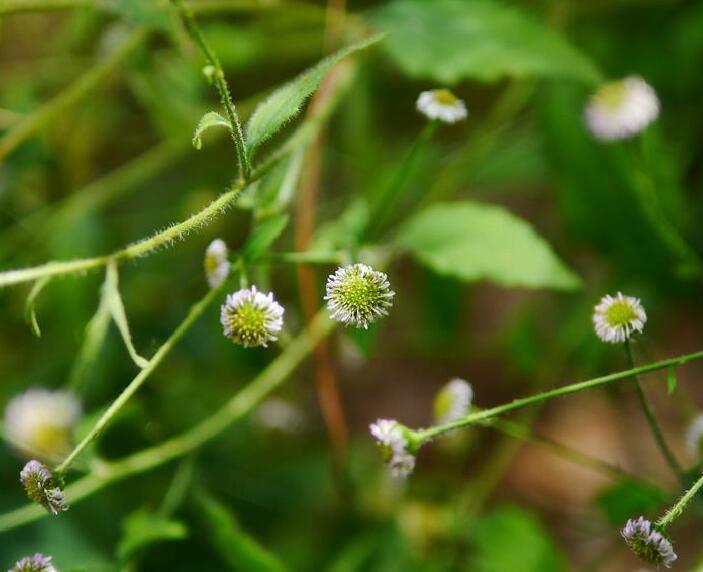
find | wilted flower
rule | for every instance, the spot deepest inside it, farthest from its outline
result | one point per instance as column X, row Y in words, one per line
column 36, row 563
column 391, row 438
column 453, row 401
column 648, row 543
column 359, row 295
column 617, row 318
column 216, row 263
column 251, row 318
column 40, row 423
column 621, row 109
column 441, row 104
column 42, row 487
column 694, row 435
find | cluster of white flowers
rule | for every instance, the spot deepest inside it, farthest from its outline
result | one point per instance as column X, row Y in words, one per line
column 616, row 318
column 216, row 263
column 251, row 318
column 36, row 563
column 393, row 441
column 358, row 295
column 453, row 401
column 40, row 423
column 441, row 105
column 648, row 543
column 41, row 486
column 621, row 109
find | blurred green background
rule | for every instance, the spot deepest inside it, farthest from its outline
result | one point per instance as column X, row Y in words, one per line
column 117, row 163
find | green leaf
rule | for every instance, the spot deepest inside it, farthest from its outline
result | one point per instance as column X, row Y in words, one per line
column 154, row 14
column 114, row 302
column 210, row 119
column 451, row 40
column 511, row 539
column 474, row 241
column 239, row 550
column 143, row 528
column 30, row 313
column 263, row 235
column 671, row 381
column 285, row 103
column 628, row 499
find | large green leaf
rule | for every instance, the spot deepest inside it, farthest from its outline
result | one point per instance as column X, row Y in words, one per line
column 450, row 40
column 474, row 241
column 285, row 103
column 143, row 528
column 511, row 539
column 628, row 499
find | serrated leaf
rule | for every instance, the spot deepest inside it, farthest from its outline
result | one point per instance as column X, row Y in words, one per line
column 627, row 498
column 143, row 528
column 263, row 235
column 671, row 382
column 210, row 119
column 474, row 241
column 451, row 40
column 30, row 312
column 117, row 311
column 239, row 550
column 285, row 103
column 512, row 539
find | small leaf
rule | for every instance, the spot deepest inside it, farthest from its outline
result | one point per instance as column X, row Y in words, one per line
column 114, row 301
column 210, row 119
column 473, row 241
column 671, row 381
column 479, row 39
column 95, row 332
column 143, row 528
column 629, row 498
column 285, row 103
column 30, row 314
column 239, row 550
column 263, row 235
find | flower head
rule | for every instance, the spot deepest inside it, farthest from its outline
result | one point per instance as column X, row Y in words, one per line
column 40, row 422
column 391, row 438
column 216, row 263
column 616, row 318
column 42, row 487
column 648, row 543
column 441, row 104
column 358, row 295
column 694, row 435
column 251, row 318
column 621, row 109
column 453, row 401
column 36, row 563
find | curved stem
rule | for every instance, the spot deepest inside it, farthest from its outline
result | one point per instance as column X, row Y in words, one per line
column 651, row 418
column 425, row 435
column 675, row 511
column 237, row 407
column 195, row 312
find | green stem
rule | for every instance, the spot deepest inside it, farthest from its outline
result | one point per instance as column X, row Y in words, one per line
column 425, row 435
column 222, row 87
column 70, row 96
column 651, row 419
column 237, row 407
column 675, row 511
column 195, row 312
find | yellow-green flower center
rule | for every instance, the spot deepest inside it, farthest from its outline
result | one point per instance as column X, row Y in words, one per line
column 211, row 264
column 611, row 94
column 620, row 313
column 248, row 324
column 445, row 97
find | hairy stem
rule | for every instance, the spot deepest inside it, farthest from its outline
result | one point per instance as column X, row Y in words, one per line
column 651, row 418
column 675, row 511
column 425, row 435
column 195, row 312
column 106, row 473
column 221, row 83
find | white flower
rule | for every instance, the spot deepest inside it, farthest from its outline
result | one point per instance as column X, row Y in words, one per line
column 36, row 563
column 390, row 436
column 251, row 318
column 40, row 422
column 441, row 104
column 694, row 434
column 358, row 295
column 621, row 109
column 616, row 318
column 216, row 263
column 648, row 543
column 453, row 401
column 41, row 486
